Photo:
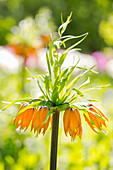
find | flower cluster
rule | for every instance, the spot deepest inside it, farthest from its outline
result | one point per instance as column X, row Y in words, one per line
column 36, row 115
column 71, row 120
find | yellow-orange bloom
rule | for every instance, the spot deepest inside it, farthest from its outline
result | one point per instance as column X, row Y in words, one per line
column 23, row 119
column 46, row 39
column 35, row 115
column 71, row 120
column 98, row 122
column 24, row 51
column 39, row 118
column 72, row 123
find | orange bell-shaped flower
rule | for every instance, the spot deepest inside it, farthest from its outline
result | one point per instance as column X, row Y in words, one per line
column 39, row 118
column 23, row 119
column 98, row 121
column 72, row 123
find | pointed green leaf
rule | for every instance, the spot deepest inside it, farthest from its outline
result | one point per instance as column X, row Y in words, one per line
column 15, row 101
column 93, row 100
column 73, row 50
column 30, row 73
column 47, row 83
column 65, row 79
column 83, row 68
column 50, row 51
column 72, row 36
column 36, row 100
column 65, row 97
column 62, row 58
column 79, row 92
column 55, row 94
column 74, row 81
column 31, row 105
column 48, row 63
column 74, row 45
column 72, row 99
column 63, row 27
column 86, row 82
column 58, row 79
column 49, row 114
column 42, row 90
column 95, row 88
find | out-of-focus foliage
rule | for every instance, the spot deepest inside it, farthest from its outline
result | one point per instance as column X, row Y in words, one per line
column 106, row 30
column 86, row 14
column 31, row 31
column 31, row 35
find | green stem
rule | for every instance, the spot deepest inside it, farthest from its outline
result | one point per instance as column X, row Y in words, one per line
column 54, row 141
column 22, row 79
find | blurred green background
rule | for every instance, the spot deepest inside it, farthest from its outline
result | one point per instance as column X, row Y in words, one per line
column 29, row 23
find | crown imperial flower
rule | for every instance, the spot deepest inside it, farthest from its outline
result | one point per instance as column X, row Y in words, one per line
column 35, row 115
column 72, row 123
column 39, row 118
column 95, row 118
column 23, row 119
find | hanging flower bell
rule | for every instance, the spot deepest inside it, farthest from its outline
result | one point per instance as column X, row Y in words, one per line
column 72, row 123
column 35, row 115
column 95, row 118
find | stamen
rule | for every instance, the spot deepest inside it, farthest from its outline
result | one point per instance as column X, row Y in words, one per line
column 105, row 132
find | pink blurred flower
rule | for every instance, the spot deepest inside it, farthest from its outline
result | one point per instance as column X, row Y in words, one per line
column 100, row 59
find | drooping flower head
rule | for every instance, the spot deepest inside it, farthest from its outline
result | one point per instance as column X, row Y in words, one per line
column 39, row 118
column 23, row 120
column 72, row 123
column 34, row 116
column 95, row 118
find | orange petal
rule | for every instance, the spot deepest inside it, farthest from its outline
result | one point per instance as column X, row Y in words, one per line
column 33, row 118
column 36, row 119
column 19, row 120
column 73, row 122
column 94, row 119
column 99, row 112
column 66, row 120
column 22, row 106
column 27, row 117
column 78, row 118
column 43, row 116
column 14, row 120
column 80, row 132
column 89, row 123
column 99, row 120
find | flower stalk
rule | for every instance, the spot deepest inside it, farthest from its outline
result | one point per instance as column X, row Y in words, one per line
column 54, row 140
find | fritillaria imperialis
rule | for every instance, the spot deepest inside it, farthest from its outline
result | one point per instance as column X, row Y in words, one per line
column 60, row 95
